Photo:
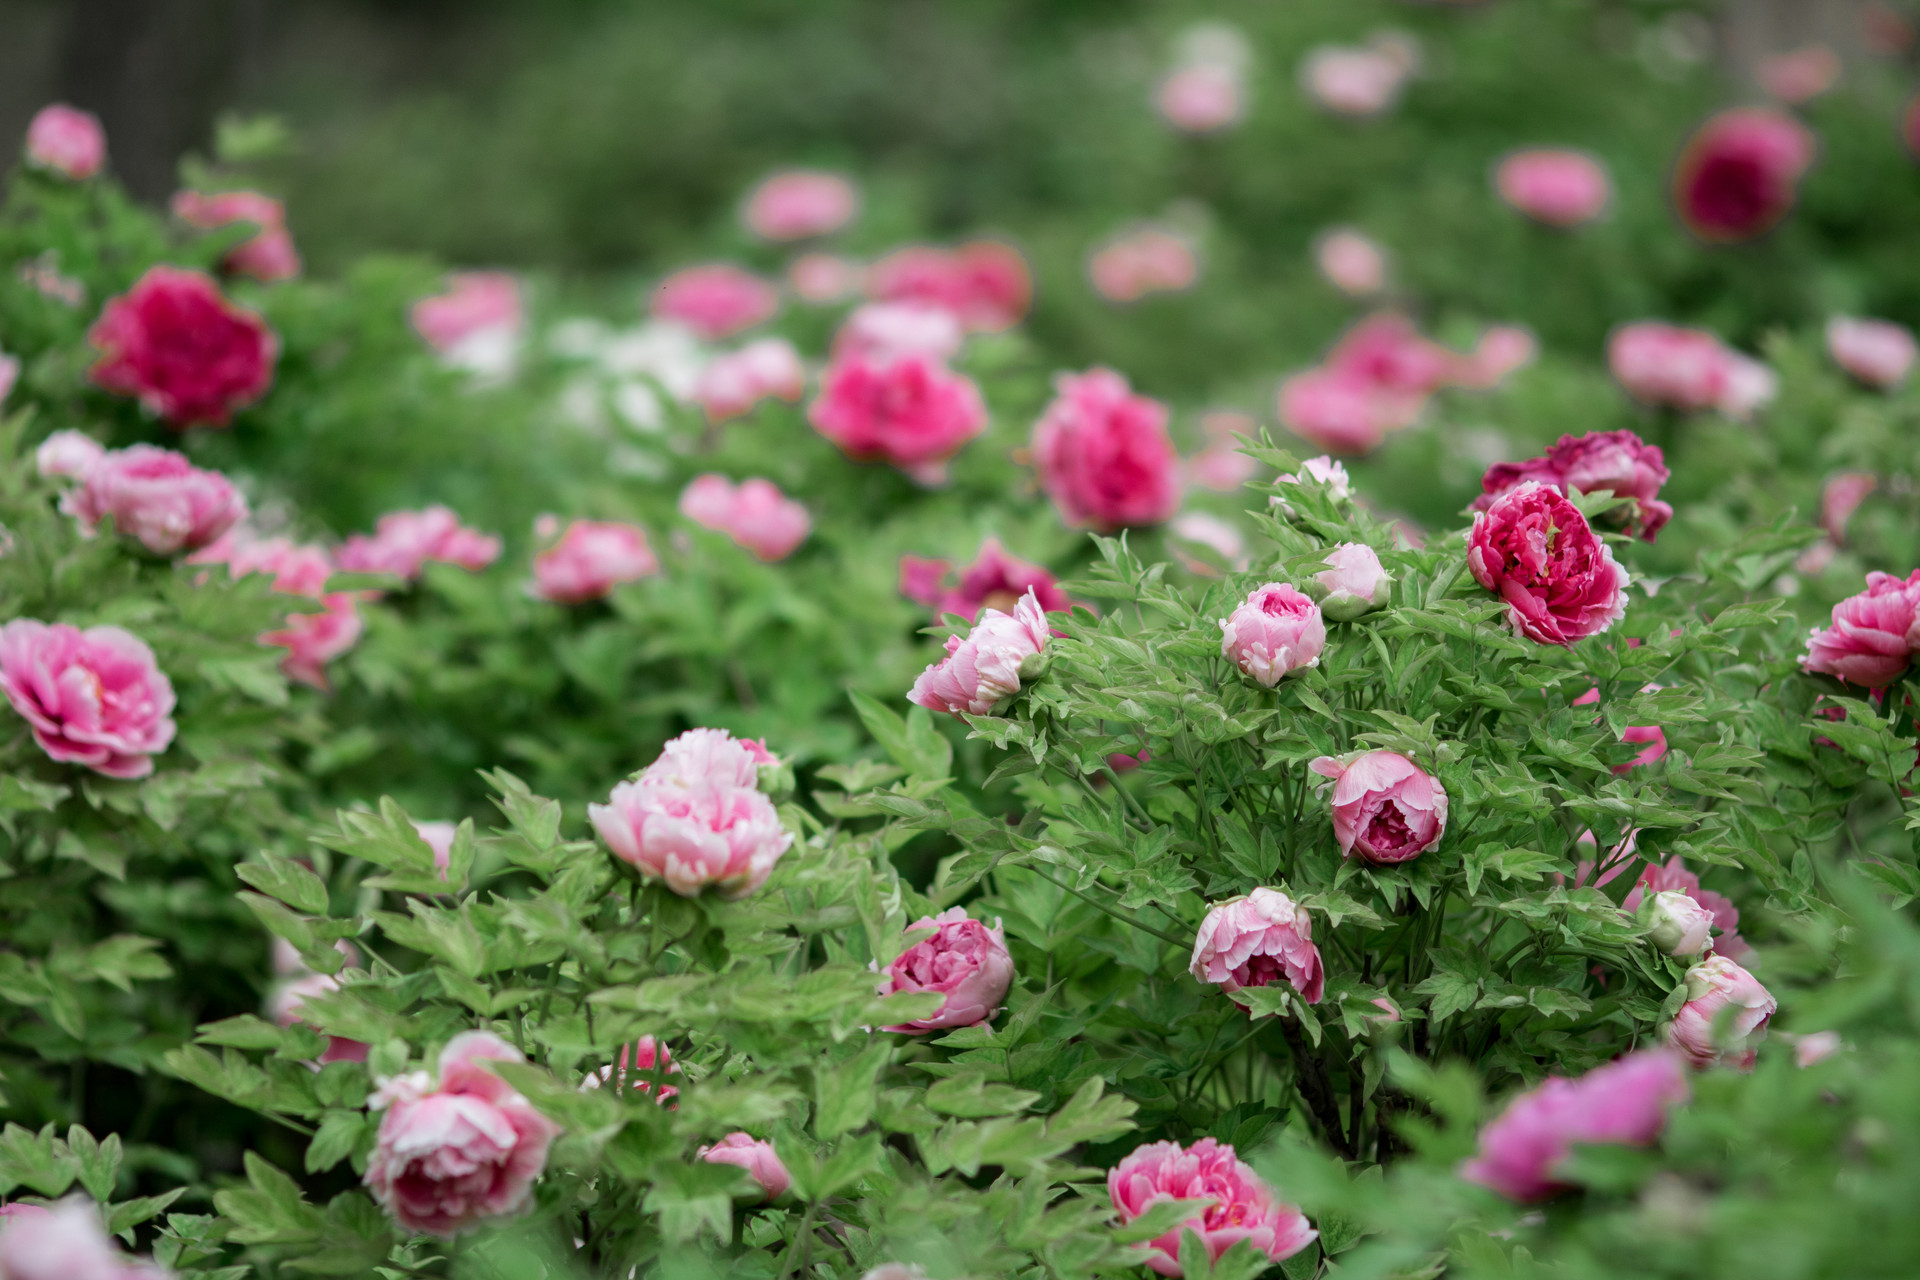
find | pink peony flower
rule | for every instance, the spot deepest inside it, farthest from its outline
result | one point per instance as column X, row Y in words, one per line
column 1559, row 188
column 66, row 1242
column 297, row 568
column 1877, row 352
column 266, row 255
column 1144, row 261
column 457, row 1154
column 1616, row 462
column 1871, row 636
column 963, row 960
column 403, row 542
column 1275, row 632
column 995, row 580
column 1353, row 583
column 732, row 384
column 709, row 756
column 1104, row 455
column 1801, row 74
column 1385, row 352
column 639, row 1067
column 985, row 283
column 1335, row 412
column 1675, row 923
column 312, row 640
column 908, row 410
column 9, row 377
column 1655, row 739
column 67, row 455
column 1687, row 369
column 187, row 353
column 923, row 579
column 1738, row 175
column 882, row 330
column 1385, row 807
column 1725, row 1017
column 1536, row 551
column 1203, row 98
column 1351, row 262
column 284, row 1008
column 799, row 204
column 1840, row 497
column 1243, row 1206
column 689, row 820
column 68, row 141
column 756, row 1157
column 1624, row 1103
column 476, row 323
column 983, row 670
column 1353, row 81
column 592, row 558
column 1674, row 877
column 156, row 497
column 715, row 301
column 756, row 515
column 1816, row 1046
column 1255, row 941
column 93, row 697
column 1502, row 350
column 821, row 278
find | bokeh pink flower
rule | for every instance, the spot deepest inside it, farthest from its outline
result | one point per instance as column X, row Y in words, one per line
column 1558, row 187
column 798, row 204
column 715, row 300
column 403, row 543
column 754, row 513
column 1878, row 353
column 67, row 141
column 908, row 410
column 591, row 558
column 176, row 343
column 1739, row 174
column 1104, row 455
column 268, row 254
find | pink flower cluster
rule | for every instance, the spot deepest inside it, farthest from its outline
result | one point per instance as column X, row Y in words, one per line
column 1275, row 632
column 1879, row 353
column 1144, row 261
column 995, row 580
column 755, row 514
column 1739, row 174
column 983, row 670
column 311, row 640
column 985, row 284
column 1257, row 940
column 716, row 300
column 67, row 141
column 732, row 384
column 1872, row 636
column 404, row 542
column 1687, row 369
column 65, row 1242
column 1534, row 549
column 1616, row 462
column 963, row 960
column 1241, row 1206
column 907, row 409
column 798, row 204
column 268, row 254
column 1724, row 1018
column 153, row 495
column 1559, row 188
column 94, row 697
column 591, row 558
column 176, row 343
column 1385, row 808
column 1104, row 455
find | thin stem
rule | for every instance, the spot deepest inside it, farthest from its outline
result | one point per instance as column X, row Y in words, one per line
column 1115, row 912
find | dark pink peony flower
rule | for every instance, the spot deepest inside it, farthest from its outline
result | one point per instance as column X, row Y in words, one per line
column 266, row 255
column 404, row 542
column 1559, row 188
column 1104, row 455
column 983, row 670
column 1616, row 462
column 156, row 497
column 1872, row 635
column 1879, row 353
column 715, row 301
column 963, row 960
column 1273, row 633
column 985, row 283
column 592, row 558
column 732, row 384
column 1243, row 1206
column 93, row 697
column 799, row 204
column 1738, row 175
column 1536, row 551
column 908, row 410
column 1146, row 260
column 1725, row 1017
column 995, row 580
column 1256, row 941
column 757, row 1158
column 68, row 141
column 923, row 579
column 1385, row 807
column 188, row 354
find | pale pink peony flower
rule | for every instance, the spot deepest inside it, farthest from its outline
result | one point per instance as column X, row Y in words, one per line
column 1274, row 633
column 1872, row 635
column 156, row 497
column 1243, row 1206
column 1205, row 97
column 284, row 1007
column 1353, row 81
column 908, row 410
column 1104, row 455
column 1840, row 497
column 1256, row 941
column 1725, row 1017
column 457, row 1154
column 66, row 1242
column 439, row 837
column 1536, row 551
column 1675, row 923
column 1879, row 353
column 1801, row 74
column 67, row 455
column 1385, row 807
column 1351, row 262
column 268, row 254
column 1815, row 1046
column 821, row 278
column 403, row 542
column 68, row 141
column 963, row 960
column 1750, row 385
column 640, row 1066
column 1670, row 367
column 758, row 1158
column 995, row 580
column 709, row 756
column 1616, row 462
column 1354, row 582
column 716, row 300
column 592, row 558
column 1143, row 261
column 882, row 330
column 182, row 348
column 1557, row 187
column 984, row 282
column 93, row 697
column 1623, row 1103
column 983, row 670
column 1738, row 176
column 693, row 832
column 1674, row 876
column 799, row 204
column 9, row 377
column 732, row 384
column 1385, row 352
column 476, row 323
column 756, row 515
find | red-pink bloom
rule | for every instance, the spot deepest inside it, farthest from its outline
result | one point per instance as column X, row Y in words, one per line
column 1275, row 632
column 68, row 455
column 995, row 580
column 1872, row 635
column 187, row 353
column 1203, row 98
column 1351, row 262
column 1144, row 261
column 983, row 670
column 1536, row 551
column 1559, row 188
column 963, row 960
column 1616, row 462
column 1385, row 807
column 284, row 1007
column 1686, row 369
column 156, row 497
column 1127, row 761
column 985, row 283
column 820, row 278
column 1242, row 1206
column 1738, row 176
column 66, row 140
column 93, row 697
column 1725, row 1017
column 1801, row 74
column 640, row 1066
column 716, row 300
column 1840, row 497
column 800, row 203
column 882, row 330
column 756, row 515
column 1623, row 1103
column 1655, row 739
column 403, row 542
column 1354, row 81
column 454, row 1155
column 692, row 828
column 476, row 322
column 66, row 1242
column 266, row 255
column 1255, row 941
column 1879, row 353
column 1104, row 455
column 732, row 384
column 758, row 1158
column 592, row 558
column 908, row 410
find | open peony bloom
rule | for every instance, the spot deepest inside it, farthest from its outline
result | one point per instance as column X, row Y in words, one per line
column 156, row 497
column 93, row 697
column 908, row 409
column 639, row 1067
column 964, row 960
column 454, row 1155
column 1675, row 923
column 1205, row 97
column 1275, row 632
column 188, row 354
column 886, row 329
column 1872, row 635
column 1104, row 455
column 732, row 384
column 311, row 640
column 1687, row 369
column 1146, row 260
column 709, row 756
column 1536, row 551
column 1243, row 1206
column 716, row 300
column 1738, row 175
column 1256, row 941
column 1879, row 353
column 1386, row 808
column 1725, row 1017
column 1624, row 1103
column 1379, row 375
column 756, row 515
column 403, row 543
column 1616, row 462
column 995, row 580
column 592, row 558
column 1559, row 188
column 284, row 1006
column 984, row 283
column 799, row 204
column 983, row 670
column 756, row 1157
column 1351, row 262
column 67, row 455
column 266, row 255
column 1353, row 583
column 66, row 1242
column 67, row 141
column 693, row 836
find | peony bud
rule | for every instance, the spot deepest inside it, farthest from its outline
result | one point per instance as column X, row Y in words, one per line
column 1256, row 941
column 964, row 960
column 1275, row 632
column 1353, row 584
column 983, row 670
column 1385, row 807
column 756, row 1157
column 1675, row 923
column 1725, row 1017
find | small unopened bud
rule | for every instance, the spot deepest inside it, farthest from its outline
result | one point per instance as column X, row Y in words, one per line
column 1675, row 923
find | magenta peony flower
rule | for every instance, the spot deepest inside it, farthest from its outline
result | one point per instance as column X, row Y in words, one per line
column 799, row 204
column 67, row 455
column 1146, row 260
column 639, row 1067
column 156, row 497
column 964, row 961
column 189, row 355
column 455, row 1155
column 1256, row 941
column 403, row 542
column 1878, row 353
column 66, row 1242
column 756, row 1157
column 995, row 580
column 716, row 301
column 1205, row 97
column 1243, row 1206
column 1354, row 582
column 908, row 410
column 1385, row 807
column 1624, row 1103
column 1725, row 1017
column 1872, row 634
column 70, row 142
column 268, row 254
column 93, row 697
column 882, row 330
column 1275, row 632
column 1385, row 352
column 284, row 1005
column 1616, row 462
column 592, row 558
column 983, row 670
column 1675, row 923
column 1351, row 262
column 1536, row 551
column 1104, row 455
column 1738, row 175
column 1559, row 188
column 732, row 384
column 985, row 284
column 756, row 515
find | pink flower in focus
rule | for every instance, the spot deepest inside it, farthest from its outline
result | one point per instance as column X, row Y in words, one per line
column 68, row 141
column 1352, row 81
column 1738, row 175
column 266, row 255
column 403, row 542
column 67, row 455
column 732, row 384
column 1385, row 807
column 1559, row 188
column 821, row 278
column 692, row 832
column 1104, row 455
column 756, row 515
column 1351, row 262
column 908, row 410
column 452, row 1156
column 156, row 497
column 1616, row 462
column 1203, row 98
column 995, row 580
column 94, row 697
column 964, row 960
column 1800, row 75
column 711, row 756
column 1871, row 636
column 1141, row 262
column 66, row 1242
column 640, row 1066
column 1274, row 633
column 1725, row 1017
column 983, row 670
column 1243, row 1206
column 1878, row 353
column 756, row 1157
column 1353, row 583
column 1840, row 497
column 176, row 342
column 1256, row 941
column 715, row 301
column 882, row 330
column 799, row 204
column 592, row 558
column 284, row 1007
column 1536, row 551
column 1675, row 922
column 985, row 283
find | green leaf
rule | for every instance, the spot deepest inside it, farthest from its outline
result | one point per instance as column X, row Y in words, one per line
column 287, row 880
column 339, row 1134
column 972, row 1095
column 844, row 1095
column 270, row 1210
column 99, row 1161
